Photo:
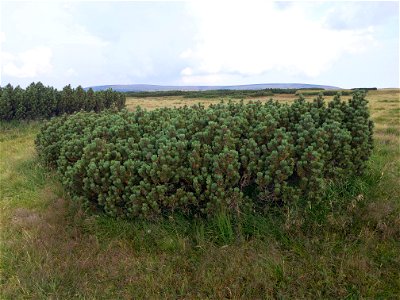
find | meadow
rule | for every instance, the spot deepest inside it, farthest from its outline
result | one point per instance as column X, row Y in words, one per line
column 346, row 246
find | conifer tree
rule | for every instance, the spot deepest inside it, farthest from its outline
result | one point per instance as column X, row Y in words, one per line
column 7, row 103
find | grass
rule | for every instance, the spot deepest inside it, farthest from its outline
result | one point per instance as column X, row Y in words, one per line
column 346, row 246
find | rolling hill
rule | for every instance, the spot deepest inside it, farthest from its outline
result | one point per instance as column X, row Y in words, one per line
column 154, row 88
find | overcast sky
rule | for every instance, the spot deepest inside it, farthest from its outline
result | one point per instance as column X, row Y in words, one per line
column 346, row 44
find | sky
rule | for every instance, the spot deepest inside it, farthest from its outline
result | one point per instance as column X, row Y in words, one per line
column 344, row 44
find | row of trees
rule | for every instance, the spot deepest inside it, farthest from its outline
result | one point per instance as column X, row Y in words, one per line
column 326, row 92
column 236, row 94
column 40, row 102
column 200, row 160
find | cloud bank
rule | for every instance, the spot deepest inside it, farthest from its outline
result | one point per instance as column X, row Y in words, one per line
column 27, row 64
column 258, row 37
column 345, row 44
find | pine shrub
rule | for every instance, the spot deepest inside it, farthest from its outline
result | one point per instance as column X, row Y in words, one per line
column 199, row 160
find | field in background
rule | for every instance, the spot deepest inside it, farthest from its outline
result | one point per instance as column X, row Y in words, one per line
column 346, row 248
column 179, row 101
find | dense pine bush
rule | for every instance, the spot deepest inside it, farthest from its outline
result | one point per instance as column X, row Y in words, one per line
column 198, row 160
column 40, row 102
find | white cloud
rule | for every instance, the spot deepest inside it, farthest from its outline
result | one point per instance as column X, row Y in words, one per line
column 71, row 72
column 187, row 71
column 49, row 40
column 2, row 37
column 53, row 24
column 30, row 63
column 210, row 79
column 348, row 15
column 250, row 39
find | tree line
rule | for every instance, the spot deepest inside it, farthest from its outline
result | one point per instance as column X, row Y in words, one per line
column 235, row 94
column 41, row 102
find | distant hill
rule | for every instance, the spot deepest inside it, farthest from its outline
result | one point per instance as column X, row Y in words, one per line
column 156, row 88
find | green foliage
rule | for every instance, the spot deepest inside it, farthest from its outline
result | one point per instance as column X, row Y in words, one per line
column 40, row 102
column 365, row 89
column 328, row 92
column 198, row 161
column 211, row 94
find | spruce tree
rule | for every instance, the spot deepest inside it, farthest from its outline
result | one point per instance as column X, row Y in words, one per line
column 7, row 103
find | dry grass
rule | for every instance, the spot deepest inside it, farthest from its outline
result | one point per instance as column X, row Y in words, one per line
column 50, row 248
column 179, row 101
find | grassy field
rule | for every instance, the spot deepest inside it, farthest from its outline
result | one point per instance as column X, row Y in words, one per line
column 179, row 101
column 347, row 246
